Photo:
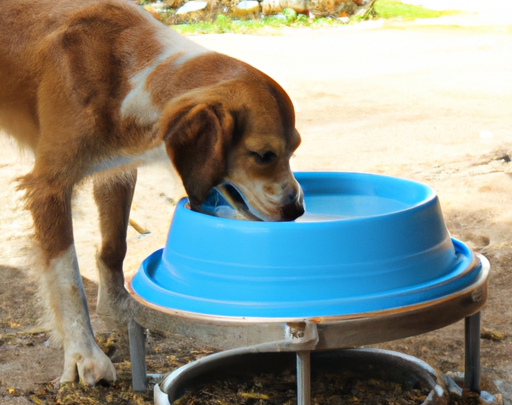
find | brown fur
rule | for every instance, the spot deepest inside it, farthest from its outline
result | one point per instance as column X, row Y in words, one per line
column 99, row 86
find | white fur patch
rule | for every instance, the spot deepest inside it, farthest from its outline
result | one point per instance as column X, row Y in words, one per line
column 62, row 286
column 137, row 102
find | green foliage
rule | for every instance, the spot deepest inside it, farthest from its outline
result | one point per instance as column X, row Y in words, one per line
column 397, row 9
column 289, row 18
column 290, row 14
column 223, row 24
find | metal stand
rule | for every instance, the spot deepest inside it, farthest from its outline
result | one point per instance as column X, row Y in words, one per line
column 137, row 356
column 304, row 378
column 472, row 362
column 471, row 374
column 472, row 352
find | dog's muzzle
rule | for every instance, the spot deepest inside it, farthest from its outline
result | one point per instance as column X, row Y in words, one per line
column 226, row 201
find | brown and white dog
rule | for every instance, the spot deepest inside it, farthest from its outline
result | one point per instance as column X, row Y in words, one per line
column 99, row 86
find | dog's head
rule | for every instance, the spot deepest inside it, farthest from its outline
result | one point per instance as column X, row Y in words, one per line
column 241, row 132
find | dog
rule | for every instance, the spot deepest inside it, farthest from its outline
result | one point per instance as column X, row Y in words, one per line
column 99, row 87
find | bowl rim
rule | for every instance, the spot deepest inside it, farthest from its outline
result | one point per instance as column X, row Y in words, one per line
column 477, row 263
column 431, row 197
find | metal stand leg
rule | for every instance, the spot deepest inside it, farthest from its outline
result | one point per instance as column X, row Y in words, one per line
column 303, row 378
column 137, row 356
column 472, row 353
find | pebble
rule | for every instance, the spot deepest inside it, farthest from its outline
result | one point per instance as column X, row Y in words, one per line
column 192, row 6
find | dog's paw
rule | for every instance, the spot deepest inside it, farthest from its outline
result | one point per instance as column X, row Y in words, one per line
column 90, row 368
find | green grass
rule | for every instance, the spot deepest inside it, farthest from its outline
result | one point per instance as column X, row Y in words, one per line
column 396, row 9
column 386, row 9
column 225, row 24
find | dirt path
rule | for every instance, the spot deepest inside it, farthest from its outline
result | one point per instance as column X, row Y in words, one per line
column 430, row 103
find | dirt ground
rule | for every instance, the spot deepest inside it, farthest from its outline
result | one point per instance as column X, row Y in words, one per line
column 430, row 102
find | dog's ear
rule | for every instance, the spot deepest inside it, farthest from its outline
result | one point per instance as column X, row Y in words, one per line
column 197, row 135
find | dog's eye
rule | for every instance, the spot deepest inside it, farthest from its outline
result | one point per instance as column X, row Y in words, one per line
column 264, row 159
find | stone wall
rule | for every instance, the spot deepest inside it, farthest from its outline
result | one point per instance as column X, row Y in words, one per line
column 183, row 11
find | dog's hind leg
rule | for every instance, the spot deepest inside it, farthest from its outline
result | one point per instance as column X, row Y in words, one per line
column 48, row 197
column 113, row 196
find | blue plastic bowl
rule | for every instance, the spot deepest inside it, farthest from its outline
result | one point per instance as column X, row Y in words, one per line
column 366, row 243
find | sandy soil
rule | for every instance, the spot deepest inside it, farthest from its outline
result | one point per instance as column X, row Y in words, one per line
column 426, row 102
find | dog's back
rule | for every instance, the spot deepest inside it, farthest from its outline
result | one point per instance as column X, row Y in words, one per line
column 45, row 43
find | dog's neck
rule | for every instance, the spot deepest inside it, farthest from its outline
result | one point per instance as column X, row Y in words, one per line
column 141, row 102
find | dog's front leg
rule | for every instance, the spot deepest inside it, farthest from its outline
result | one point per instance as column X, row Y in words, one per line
column 113, row 197
column 60, row 281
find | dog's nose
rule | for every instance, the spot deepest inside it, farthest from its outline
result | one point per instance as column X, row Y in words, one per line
column 294, row 209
